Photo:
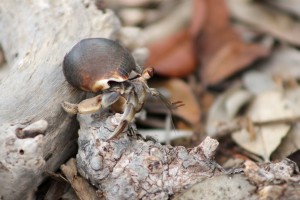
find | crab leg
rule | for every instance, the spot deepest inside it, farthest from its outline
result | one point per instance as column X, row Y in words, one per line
column 70, row 108
column 127, row 117
column 84, row 107
column 110, row 98
column 90, row 105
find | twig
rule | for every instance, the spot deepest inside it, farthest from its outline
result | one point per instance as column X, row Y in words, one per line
column 238, row 124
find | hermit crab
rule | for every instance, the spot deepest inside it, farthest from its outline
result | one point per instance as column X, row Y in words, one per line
column 104, row 67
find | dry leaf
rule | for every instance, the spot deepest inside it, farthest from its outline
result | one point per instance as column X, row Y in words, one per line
column 179, row 63
column 220, row 49
column 180, row 91
column 161, row 48
column 267, row 106
column 266, row 141
column 267, row 19
column 284, row 62
column 289, row 145
column 270, row 105
column 258, row 82
column 225, row 108
column 173, row 56
column 198, row 18
column 81, row 186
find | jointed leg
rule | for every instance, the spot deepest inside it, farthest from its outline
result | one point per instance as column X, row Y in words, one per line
column 128, row 115
column 91, row 105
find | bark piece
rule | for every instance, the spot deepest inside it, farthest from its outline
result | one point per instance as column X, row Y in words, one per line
column 272, row 173
column 129, row 167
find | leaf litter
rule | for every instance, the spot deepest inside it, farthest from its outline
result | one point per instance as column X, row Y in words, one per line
column 247, row 58
column 235, row 66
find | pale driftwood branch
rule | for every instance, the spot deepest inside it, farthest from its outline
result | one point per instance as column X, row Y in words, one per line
column 35, row 36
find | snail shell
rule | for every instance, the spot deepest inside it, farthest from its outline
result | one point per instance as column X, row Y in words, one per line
column 93, row 62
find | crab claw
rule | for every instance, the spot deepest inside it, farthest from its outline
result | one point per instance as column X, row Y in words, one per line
column 110, row 98
column 70, row 108
column 84, row 107
column 90, row 105
column 126, row 118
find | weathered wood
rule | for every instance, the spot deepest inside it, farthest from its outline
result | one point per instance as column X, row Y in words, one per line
column 35, row 36
column 129, row 167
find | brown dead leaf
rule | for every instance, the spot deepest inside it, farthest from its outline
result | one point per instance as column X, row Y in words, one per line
column 80, row 185
column 180, row 91
column 173, row 56
column 220, row 49
column 198, row 17
column 161, row 48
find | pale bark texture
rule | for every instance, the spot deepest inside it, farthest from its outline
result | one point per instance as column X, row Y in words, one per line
column 129, row 167
column 35, row 36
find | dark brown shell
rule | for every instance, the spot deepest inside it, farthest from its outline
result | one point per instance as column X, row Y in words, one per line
column 93, row 62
